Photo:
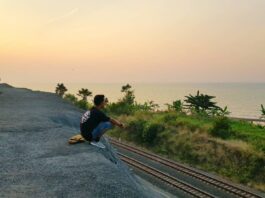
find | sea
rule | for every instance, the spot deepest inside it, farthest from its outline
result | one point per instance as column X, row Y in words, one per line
column 242, row 99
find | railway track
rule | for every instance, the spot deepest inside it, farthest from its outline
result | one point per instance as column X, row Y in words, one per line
column 195, row 192
column 223, row 185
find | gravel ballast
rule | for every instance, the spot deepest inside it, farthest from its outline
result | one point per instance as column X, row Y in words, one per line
column 36, row 160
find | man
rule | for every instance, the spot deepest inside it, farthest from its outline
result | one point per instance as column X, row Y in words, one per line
column 94, row 122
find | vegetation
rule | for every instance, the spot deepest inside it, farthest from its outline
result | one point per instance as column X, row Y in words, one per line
column 83, row 103
column 221, row 128
column 262, row 111
column 200, row 102
column 234, row 149
column 71, row 98
column 84, row 93
column 60, row 89
column 177, row 106
column 195, row 131
column 220, row 111
column 129, row 95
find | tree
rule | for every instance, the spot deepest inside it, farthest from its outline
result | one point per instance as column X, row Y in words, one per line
column 176, row 105
column 60, row 89
column 200, row 102
column 84, row 93
column 126, row 87
column 129, row 94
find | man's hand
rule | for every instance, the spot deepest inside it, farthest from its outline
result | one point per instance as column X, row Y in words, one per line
column 117, row 123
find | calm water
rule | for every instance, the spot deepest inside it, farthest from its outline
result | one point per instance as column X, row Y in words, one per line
column 242, row 99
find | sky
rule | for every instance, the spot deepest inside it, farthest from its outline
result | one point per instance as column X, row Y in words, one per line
column 132, row 41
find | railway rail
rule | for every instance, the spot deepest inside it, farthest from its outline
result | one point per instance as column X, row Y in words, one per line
column 220, row 184
column 195, row 192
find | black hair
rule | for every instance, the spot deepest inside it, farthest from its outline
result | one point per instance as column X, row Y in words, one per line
column 98, row 99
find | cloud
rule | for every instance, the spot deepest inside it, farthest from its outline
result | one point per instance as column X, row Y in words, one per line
column 62, row 17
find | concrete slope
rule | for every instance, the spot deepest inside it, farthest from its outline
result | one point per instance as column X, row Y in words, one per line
column 36, row 160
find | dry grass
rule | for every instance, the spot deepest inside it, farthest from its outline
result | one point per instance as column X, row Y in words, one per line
column 235, row 159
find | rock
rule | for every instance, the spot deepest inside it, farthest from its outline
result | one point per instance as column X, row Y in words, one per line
column 37, row 161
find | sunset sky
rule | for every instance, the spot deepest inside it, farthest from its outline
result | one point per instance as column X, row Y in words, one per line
column 132, row 41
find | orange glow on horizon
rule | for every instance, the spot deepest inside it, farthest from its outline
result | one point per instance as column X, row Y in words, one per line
column 132, row 41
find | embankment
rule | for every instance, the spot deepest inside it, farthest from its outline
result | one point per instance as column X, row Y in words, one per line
column 36, row 160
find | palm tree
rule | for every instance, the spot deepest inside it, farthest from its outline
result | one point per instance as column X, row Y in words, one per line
column 200, row 102
column 84, row 93
column 60, row 89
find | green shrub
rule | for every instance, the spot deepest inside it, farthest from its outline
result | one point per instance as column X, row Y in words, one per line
column 169, row 117
column 120, row 108
column 136, row 128
column 82, row 104
column 150, row 133
column 71, row 98
column 176, row 105
column 218, row 111
column 147, row 106
column 221, row 128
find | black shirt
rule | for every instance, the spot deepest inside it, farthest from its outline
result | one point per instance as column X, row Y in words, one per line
column 90, row 120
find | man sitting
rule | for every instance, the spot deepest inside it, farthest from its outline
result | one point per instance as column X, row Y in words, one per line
column 94, row 122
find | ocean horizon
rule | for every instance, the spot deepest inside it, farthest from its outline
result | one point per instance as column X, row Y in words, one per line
column 242, row 99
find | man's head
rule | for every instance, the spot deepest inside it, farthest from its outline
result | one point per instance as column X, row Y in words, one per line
column 100, row 101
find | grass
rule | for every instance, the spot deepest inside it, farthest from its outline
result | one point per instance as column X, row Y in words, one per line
column 253, row 134
column 239, row 155
column 233, row 149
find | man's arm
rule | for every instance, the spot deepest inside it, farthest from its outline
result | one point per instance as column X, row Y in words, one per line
column 116, row 122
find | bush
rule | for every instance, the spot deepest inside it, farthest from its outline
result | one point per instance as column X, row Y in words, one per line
column 221, row 128
column 120, row 108
column 220, row 111
column 82, row 104
column 176, row 105
column 150, row 133
column 136, row 128
column 147, row 106
column 71, row 98
column 169, row 117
